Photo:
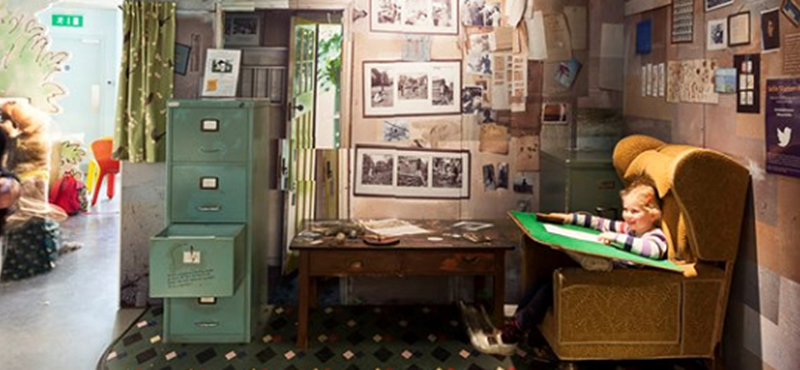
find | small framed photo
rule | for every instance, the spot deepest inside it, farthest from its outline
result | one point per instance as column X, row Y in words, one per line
column 716, row 4
column 414, row 16
column 717, row 37
column 739, row 29
column 412, row 88
column 242, row 29
column 182, row 53
column 791, row 9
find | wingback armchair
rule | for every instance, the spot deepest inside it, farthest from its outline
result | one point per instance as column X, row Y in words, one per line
column 648, row 313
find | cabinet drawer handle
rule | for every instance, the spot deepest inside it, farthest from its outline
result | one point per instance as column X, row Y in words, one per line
column 212, row 150
column 207, row 324
column 356, row 265
column 470, row 259
column 210, row 208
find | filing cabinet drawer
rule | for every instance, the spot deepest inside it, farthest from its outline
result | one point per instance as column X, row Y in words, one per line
column 448, row 263
column 197, row 260
column 208, row 193
column 187, row 320
column 209, row 135
column 349, row 263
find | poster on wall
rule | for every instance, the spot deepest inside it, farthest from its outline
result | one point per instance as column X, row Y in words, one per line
column 221, row 73
column 782, row 118
column 408, row 89
column 414, row 16
column 412, row 173
column 748, row 83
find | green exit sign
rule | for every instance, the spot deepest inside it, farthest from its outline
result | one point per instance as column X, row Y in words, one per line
column 67, row 20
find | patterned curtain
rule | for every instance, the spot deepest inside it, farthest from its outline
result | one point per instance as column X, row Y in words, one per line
column 145, row 77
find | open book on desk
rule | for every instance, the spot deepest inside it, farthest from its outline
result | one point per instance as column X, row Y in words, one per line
column 581, row 240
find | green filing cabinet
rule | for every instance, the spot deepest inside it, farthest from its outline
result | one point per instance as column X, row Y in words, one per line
column 573, row 181
column 208, row 264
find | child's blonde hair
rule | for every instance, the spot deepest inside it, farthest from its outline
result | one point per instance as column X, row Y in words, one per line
column 644, row 191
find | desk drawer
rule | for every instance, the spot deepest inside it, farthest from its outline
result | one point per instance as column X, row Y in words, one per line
column 448, row 263
column 349, row 263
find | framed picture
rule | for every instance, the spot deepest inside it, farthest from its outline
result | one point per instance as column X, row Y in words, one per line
column 717, row 37
column 791, row 9
column 555, row 113
column 412, row 88
column 411, row 173
column 770, row 30
column 748, row 83
column 739, row 29
column 682, row 21
column 242, row 29
column 414, row 16
column 716, row 4
column 221, row 74
column 182, row 53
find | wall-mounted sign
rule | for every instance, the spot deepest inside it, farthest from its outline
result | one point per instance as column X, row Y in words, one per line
column 782, row 117
column 67, row 20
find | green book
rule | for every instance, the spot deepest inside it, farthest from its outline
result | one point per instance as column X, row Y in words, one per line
column 535, row 229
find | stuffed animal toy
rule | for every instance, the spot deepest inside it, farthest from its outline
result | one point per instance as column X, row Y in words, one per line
column 28, row 158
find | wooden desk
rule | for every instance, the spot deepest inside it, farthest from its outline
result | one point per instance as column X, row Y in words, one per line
column 414, row 255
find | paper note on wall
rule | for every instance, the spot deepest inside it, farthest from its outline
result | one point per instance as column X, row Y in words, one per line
column 576, row 18
column 611, row 56
column 537, row 45
column 556, row 31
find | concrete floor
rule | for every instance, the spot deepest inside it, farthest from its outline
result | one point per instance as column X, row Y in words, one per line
column 66, row 318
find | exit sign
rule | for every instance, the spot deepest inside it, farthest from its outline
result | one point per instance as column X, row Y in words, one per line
column 67, row 20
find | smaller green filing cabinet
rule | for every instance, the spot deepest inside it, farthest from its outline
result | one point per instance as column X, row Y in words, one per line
column 207, row 262
column 573, row 181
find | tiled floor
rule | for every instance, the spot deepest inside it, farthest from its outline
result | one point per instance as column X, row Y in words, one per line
column 64, row 319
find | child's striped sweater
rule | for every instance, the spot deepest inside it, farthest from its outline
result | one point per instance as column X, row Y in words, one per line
column 652, row 244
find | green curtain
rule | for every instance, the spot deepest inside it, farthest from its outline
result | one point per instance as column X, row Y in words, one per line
column 145, row 81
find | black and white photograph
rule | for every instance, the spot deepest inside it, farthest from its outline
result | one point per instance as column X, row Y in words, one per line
column 442, row 87
column 480, row 13
column 488, row 177
column 382, row 92
column 479, row 63
column 448, row 172
column 412, row 88
column 770, row 30
column 414, row 16
column 412, row 171
column 471, row 99
column 502, row 175
column 523, row 182
column 486, row 115
column 222, row 66
column 716, row 4
column 242, row 29
column 717, row 38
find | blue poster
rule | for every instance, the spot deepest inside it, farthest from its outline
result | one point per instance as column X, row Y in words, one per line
column 782, row 119
column 644, row 37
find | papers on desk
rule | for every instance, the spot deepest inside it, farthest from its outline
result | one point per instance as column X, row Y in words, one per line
column 574, row 234
column 392, row 227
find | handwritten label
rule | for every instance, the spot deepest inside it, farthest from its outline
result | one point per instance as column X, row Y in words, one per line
column 189, row 278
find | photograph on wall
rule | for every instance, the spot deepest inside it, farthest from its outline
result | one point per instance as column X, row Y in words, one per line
column 791, row 9
column 682, row 21
column 471, row 99
column 489, row 182
column 770, row 30
column 523, row 182
column 242, row 29
column 409, row 88
column 716, row 4
column 717, row 38
column 396, row 130
column 748, row 83
column 782, row 119
column 411, row 173
column 480, row 13
column 221, row 72
column 739, row 29
column 725, row 80
column 502, row 175
column 414, row 16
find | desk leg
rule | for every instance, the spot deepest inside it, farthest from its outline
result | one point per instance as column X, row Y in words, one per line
column 499, row 280
column 303, row 300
